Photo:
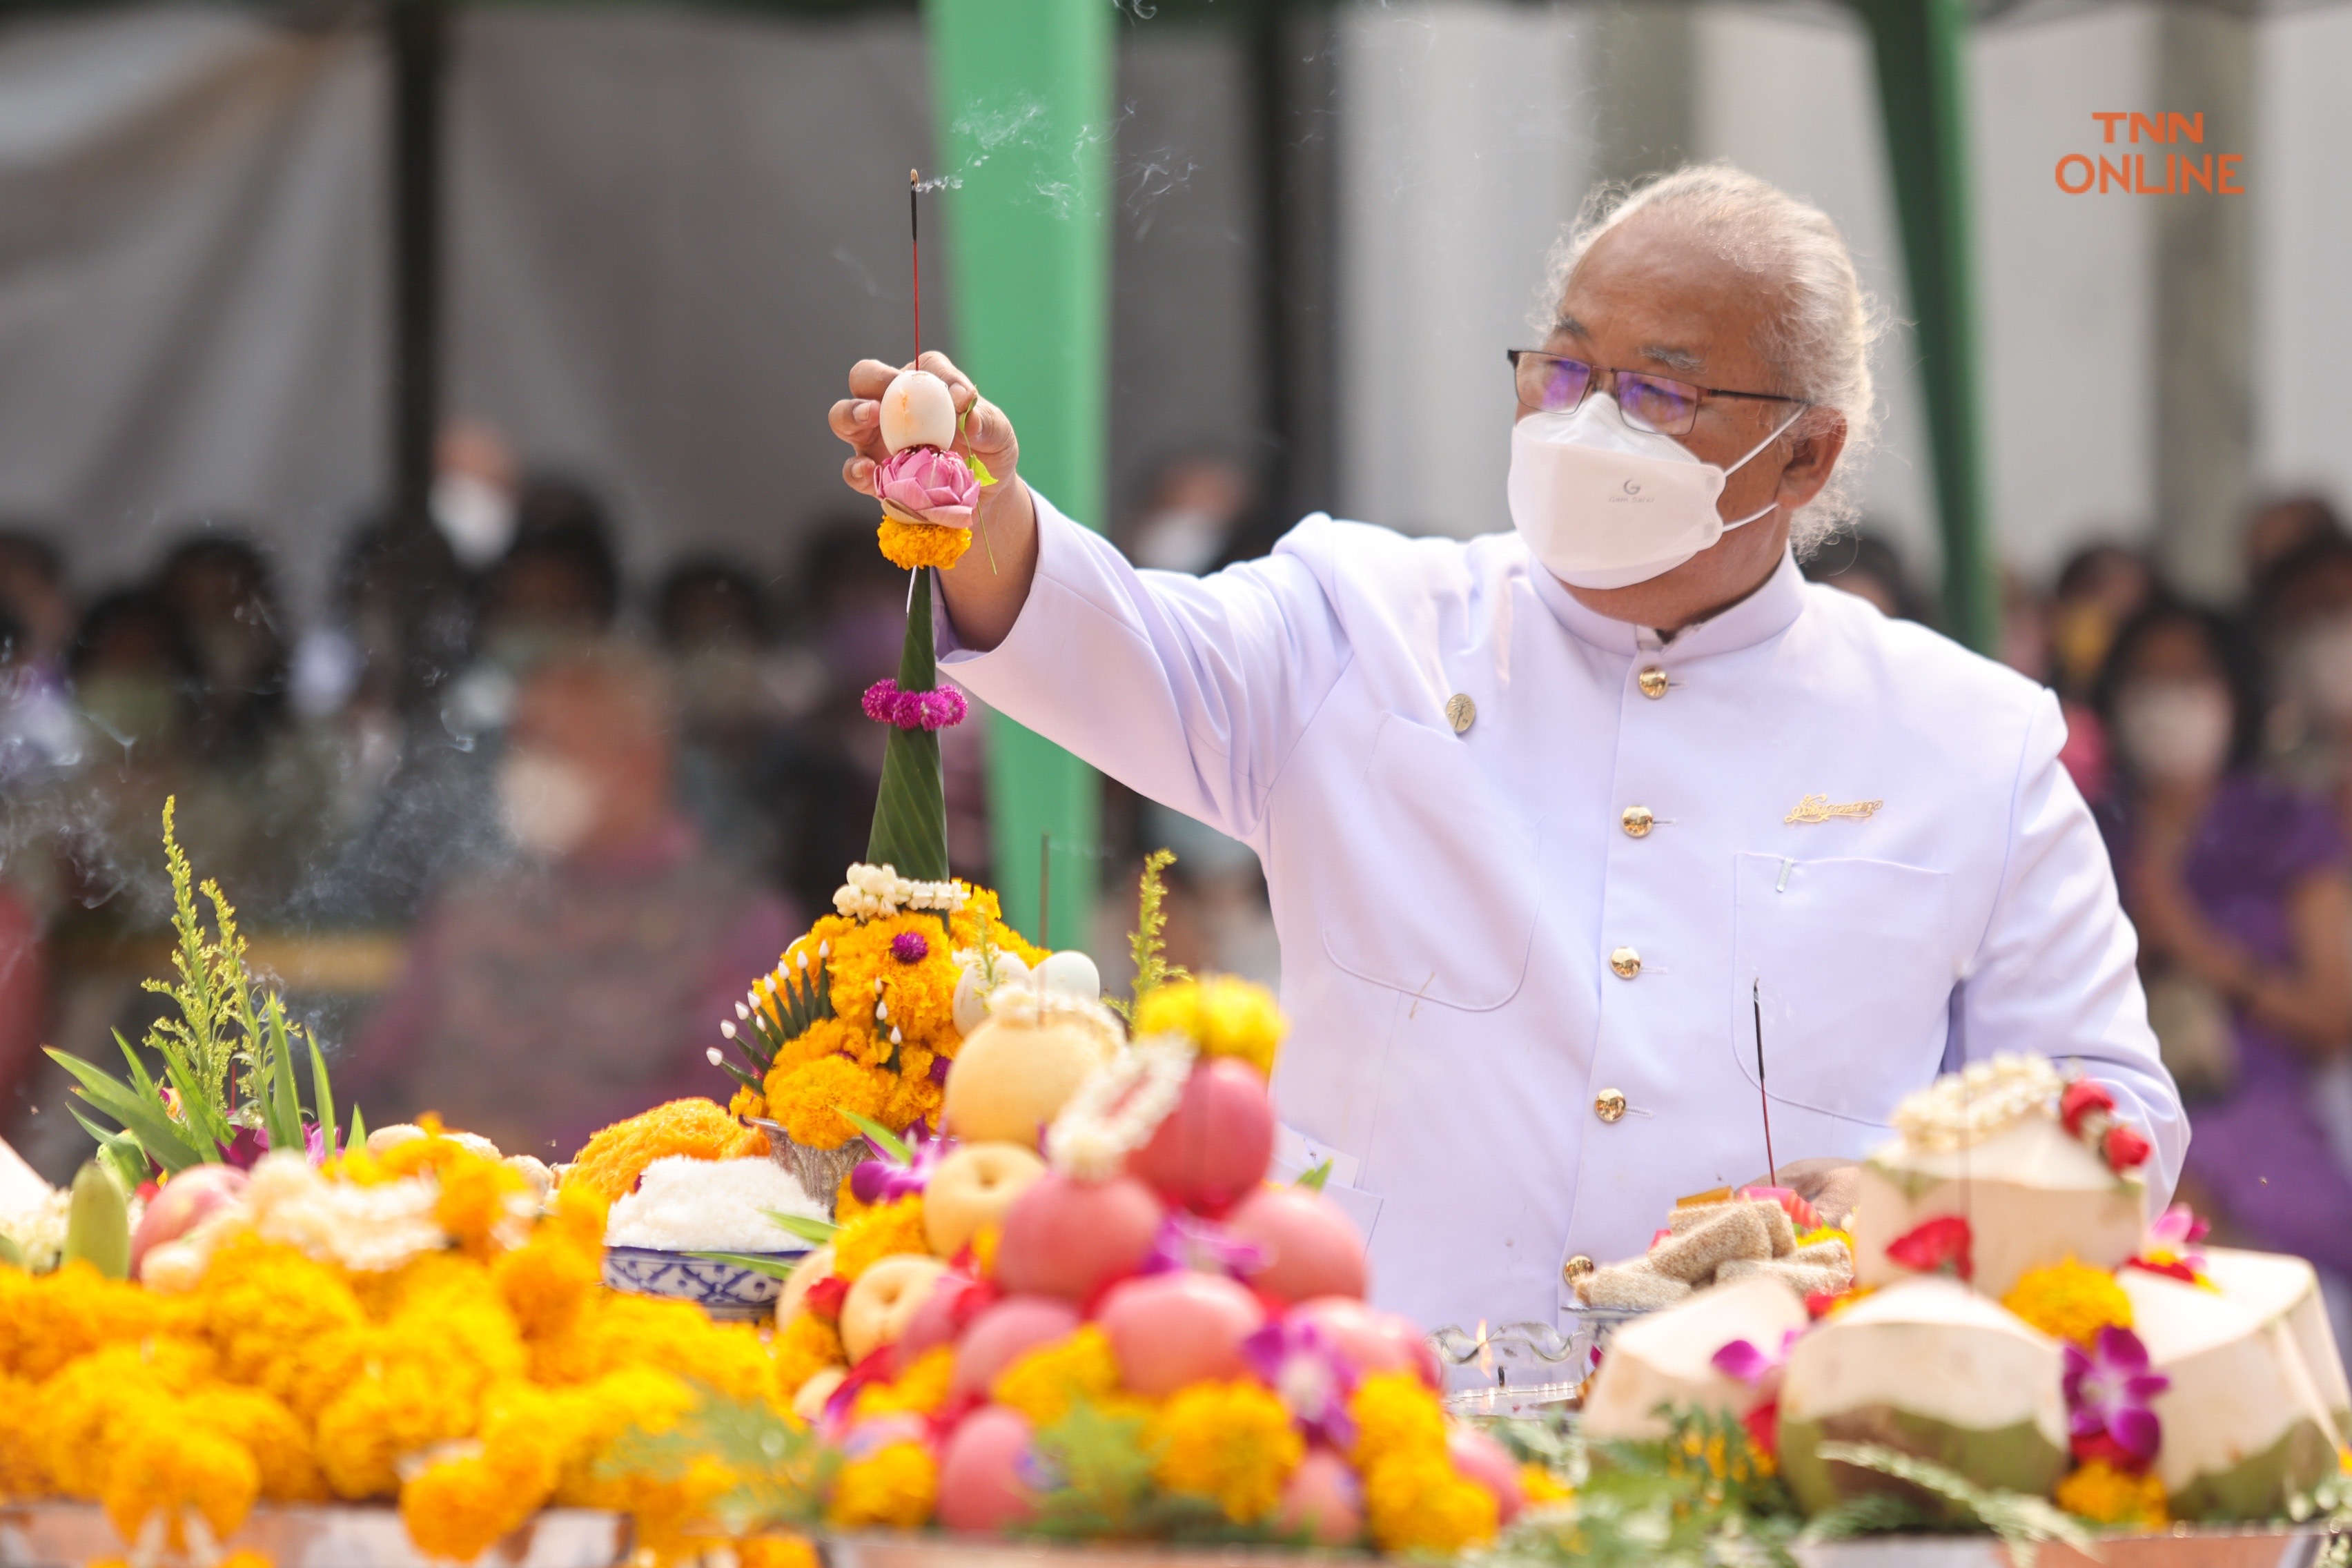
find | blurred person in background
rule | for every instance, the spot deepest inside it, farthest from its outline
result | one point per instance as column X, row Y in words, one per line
column 713, row 620
column 2282, row 525
column 2239, row 889
column 583, row 978
column 557, row 586
column 1864, row 564
column 2098, row 590
column 40, row 737
column 474, row 497
column 1196, row 505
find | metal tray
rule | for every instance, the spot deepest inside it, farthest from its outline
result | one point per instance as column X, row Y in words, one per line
column 70, row 1534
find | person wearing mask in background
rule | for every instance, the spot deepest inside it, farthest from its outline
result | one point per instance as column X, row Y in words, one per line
column 2239, row 889
column 2098, row 589
column 1546, row 813
column 40, row 737
column 713, row 620
column 584, row 980
column 2283, row 525
column 1863, row 563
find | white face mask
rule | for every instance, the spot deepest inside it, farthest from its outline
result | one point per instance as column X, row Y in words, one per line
column 1180, row 538
column 1603, row 505
column 2176, row 731
column 475, row 516
column 547, row 805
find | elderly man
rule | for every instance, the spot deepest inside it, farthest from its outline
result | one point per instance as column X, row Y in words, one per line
column 1553, row 819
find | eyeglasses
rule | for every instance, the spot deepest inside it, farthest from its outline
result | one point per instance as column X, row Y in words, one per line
column 1555, row 383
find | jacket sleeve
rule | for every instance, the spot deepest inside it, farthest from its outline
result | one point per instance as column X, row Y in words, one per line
column 2057, row 971
column 1191, row 691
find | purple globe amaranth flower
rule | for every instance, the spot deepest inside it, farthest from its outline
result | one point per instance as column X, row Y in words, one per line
column 1312, row 1375
column 1200, row 1245
column 927, row 483
column 911, row 947
column 2108, row 1391
column 943, row 708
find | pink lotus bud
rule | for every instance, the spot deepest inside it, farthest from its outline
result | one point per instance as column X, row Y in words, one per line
column 927, row 483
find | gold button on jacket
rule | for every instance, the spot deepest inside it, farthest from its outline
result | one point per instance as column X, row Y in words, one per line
column 1652, row 682
column 1610, row 1105
column 1626, row 963
column 1461, row 712
column 1637, row 821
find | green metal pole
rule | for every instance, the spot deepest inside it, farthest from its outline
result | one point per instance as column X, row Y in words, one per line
column 1922, row 94
column 1022, row 90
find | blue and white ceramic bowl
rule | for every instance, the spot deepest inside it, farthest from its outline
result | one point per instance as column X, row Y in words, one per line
column 726, row 1290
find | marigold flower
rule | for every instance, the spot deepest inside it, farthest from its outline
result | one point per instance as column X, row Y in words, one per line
column 806, row 1346
column 920, row 1390
column 896, row 1487
column 1232, row 1443
column 616, row 1156
column 163, row 1463
column 911, row 546
column 1223, row 1016
column 807, row 1101
column 1044, row 1382
column 265, row 1428
column 2070, row 1300
column 2103, row 1494
column 1395, row 1412
column 256, row 1299
column 1416, row 1501
column 880, row 1232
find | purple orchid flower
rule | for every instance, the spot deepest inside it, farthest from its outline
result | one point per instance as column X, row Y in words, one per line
column 882, row 1180
column 1306, row 1368
column 1185, row 1242
column 2107, row 1390
column 1751, row 1364
column 244, row 1151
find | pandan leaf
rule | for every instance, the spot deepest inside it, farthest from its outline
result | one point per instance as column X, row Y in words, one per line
column 910, row 808
column 157, row 1132
column 774, row 1268
column 815, row 1232
column 1313, row 1180
column 322, row 1094
column 881, row 1137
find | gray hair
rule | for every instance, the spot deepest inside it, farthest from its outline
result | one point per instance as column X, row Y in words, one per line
column 1818, row 340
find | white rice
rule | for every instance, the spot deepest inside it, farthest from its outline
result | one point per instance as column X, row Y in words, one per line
column 686, row 1205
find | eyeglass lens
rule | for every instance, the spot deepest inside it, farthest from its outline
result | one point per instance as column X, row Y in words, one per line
column 1555, row 385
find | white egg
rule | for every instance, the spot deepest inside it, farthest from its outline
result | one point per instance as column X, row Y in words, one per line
column 918, row 411
column 972, row 996
column 1072, row 973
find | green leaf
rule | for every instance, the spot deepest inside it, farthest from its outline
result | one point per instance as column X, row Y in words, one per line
column 881, row 1137
column 815, row 1232
column 11, row 1255
column 323, row 1093
column 1104, row 1467
column 774, row 1268
column 911, row 807
column 2022, row 1522
column 157, row 1132
column 980, row 472
column 281, row 1101
column 1313, row 1180
column 120, row 1152
column 357, row 1140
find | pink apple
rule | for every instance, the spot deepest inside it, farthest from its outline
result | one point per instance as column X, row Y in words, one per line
column 981, row 1484
column 1069, row 1238
column 1169, row 1330
column 1374, row 1341
column 1213, row 1148
column 1323, row 1498
column 185, row 1199
column 1482, row 1459
column 1004, row 1334
column 953, row 1302
column 1311, row 1245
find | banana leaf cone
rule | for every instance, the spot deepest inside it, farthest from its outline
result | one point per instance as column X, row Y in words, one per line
column 910, row 813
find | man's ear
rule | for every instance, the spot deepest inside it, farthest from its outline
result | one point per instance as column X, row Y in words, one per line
column 1814, row 443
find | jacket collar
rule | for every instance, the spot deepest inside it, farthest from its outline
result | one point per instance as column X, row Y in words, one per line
column 1765, row 614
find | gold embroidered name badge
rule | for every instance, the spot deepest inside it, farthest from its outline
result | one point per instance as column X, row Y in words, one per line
column 1819, row 808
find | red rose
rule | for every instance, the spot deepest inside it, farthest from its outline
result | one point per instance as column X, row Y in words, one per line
column 1931, row 1245
column 2099, row 1446
column 2081, row 1098
column 824, row 1299
column 2125, row 1149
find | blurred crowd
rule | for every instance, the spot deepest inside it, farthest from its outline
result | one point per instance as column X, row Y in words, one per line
column 512, row 829
column 2214, row 744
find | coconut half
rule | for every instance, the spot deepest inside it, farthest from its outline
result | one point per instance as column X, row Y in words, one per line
column 2032, row 1196
column 2276, row 1286
column 1928, row 1368
column 2245, row 1427
column 1668, row 1358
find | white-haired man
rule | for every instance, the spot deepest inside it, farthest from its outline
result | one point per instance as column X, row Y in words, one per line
column 1553, row 819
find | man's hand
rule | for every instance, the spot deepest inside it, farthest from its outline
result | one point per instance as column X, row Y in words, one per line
column 1830, row 1185
column 986, row 589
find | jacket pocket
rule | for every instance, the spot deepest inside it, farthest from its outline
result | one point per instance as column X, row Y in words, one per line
column 1852, row 964
column 1456, row 922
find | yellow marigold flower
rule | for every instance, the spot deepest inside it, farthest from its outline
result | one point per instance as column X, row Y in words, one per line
column 2100, row 1492
column 616, row 1156
column 984, row 910
column 1395, row 1412
column 851, row 1039
column 265, row 1428
column 246, row 1557
column 2070, row 1300
column 384, row 1415
column 895, row 1488
column 545, row 1281
column 84, row 1412
column 1541, row 1487
column 486, row 1205
column 1221, row 1015
column 807, row 1099
column 1233, row 1443
column 258, row 1299
column 161, row 1462
column 596, row 1415
column 22, row 1473
column 48, row 1321
column 615, row 1331
column 912, row 1099
column 920, row 1390
column 882, row 1231
column 1416, row 1501
column 908, row 545
column 846, row 1206
column 460, row 1507
column 804, row 1347
column 1044, row 1382
column 921, row 996
column 748, row 1102
column 776, row 1552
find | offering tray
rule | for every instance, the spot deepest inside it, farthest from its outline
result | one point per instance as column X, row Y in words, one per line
column 2255, row 1546
column 70, row 1534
